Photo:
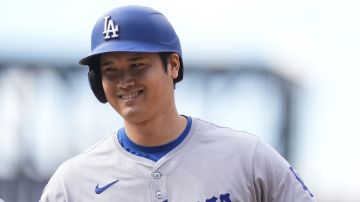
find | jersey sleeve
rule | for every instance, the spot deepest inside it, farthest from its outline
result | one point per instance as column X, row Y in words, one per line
column 275, row 179
column 58, row 188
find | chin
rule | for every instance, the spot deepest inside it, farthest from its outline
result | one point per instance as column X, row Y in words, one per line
column 133, row 116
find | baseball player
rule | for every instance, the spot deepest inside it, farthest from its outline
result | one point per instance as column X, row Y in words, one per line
column 161, row 155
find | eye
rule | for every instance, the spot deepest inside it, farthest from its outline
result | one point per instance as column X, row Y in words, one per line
column 137, row 65
column 108, row 69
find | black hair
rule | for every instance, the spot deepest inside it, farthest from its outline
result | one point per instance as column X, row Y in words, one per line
column 164, row 56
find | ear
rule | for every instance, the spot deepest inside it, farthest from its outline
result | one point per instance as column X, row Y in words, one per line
column 174, row 65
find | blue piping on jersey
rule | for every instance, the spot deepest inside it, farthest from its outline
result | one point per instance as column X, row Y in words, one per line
column 156, row 152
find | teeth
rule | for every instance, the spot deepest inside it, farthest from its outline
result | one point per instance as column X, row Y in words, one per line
column 126, row 97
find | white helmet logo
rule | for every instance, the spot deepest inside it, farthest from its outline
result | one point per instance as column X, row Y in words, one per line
column 110, row 29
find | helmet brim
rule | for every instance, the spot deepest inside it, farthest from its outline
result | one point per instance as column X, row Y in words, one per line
column 126, row 46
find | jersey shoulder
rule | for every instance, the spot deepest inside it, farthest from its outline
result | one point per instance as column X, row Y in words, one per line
column 224, row 142
column 71, row 174
column 87, row 158
column 104, row 146
column 272, row 176
column 211, row 131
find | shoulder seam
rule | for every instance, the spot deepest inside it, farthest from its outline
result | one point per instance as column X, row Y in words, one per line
column 225, row 127
column 253, row 162
column 98, row 143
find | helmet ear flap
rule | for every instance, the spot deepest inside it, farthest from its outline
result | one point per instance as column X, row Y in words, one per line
column 94, row 76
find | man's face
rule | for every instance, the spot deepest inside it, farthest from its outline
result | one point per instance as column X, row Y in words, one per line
column 136, row 85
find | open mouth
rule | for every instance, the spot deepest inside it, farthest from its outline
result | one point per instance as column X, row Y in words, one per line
column 131, row 96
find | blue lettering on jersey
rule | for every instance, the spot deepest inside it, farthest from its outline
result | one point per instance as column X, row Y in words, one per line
column 213, row 199
column 301, row 181
column 223, row 198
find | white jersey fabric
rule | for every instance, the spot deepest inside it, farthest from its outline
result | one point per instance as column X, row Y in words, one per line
column 212, row 164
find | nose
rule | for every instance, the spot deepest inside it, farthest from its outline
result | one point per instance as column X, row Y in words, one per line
column 125, row 81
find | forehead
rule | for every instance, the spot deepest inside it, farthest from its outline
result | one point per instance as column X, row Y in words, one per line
column 126, row 56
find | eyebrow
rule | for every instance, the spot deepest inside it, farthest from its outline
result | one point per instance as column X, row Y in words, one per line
column 131, row 59
column 106, row 63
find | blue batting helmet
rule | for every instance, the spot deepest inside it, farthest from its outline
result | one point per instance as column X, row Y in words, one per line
column 130, row 29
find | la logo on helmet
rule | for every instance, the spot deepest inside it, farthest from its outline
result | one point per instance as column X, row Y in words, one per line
column 110, row 29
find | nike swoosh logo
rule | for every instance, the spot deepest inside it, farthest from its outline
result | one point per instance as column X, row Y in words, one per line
column 99, row 190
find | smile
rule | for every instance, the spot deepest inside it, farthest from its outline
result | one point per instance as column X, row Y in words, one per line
column 131, row 96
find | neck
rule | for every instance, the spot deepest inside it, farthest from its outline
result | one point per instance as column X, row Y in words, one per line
column 157, row 131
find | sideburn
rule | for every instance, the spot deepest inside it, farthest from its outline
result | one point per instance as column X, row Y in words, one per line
column 164, row 56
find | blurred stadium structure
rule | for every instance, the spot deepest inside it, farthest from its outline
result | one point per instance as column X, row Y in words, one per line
column 49, row 114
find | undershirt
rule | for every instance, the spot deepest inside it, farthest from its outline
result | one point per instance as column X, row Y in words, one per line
column 156, row 152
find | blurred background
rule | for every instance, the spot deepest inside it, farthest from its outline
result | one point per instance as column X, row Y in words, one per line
column 284, row 70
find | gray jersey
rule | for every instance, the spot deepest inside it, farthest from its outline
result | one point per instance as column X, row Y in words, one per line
column 212, row 164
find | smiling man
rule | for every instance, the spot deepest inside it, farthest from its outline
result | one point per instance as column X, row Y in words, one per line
column 161, row 155
column 140, row 88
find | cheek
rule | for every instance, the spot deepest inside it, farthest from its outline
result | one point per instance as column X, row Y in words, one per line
column 107, row 90
column 105, row 87
column 163, row 87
